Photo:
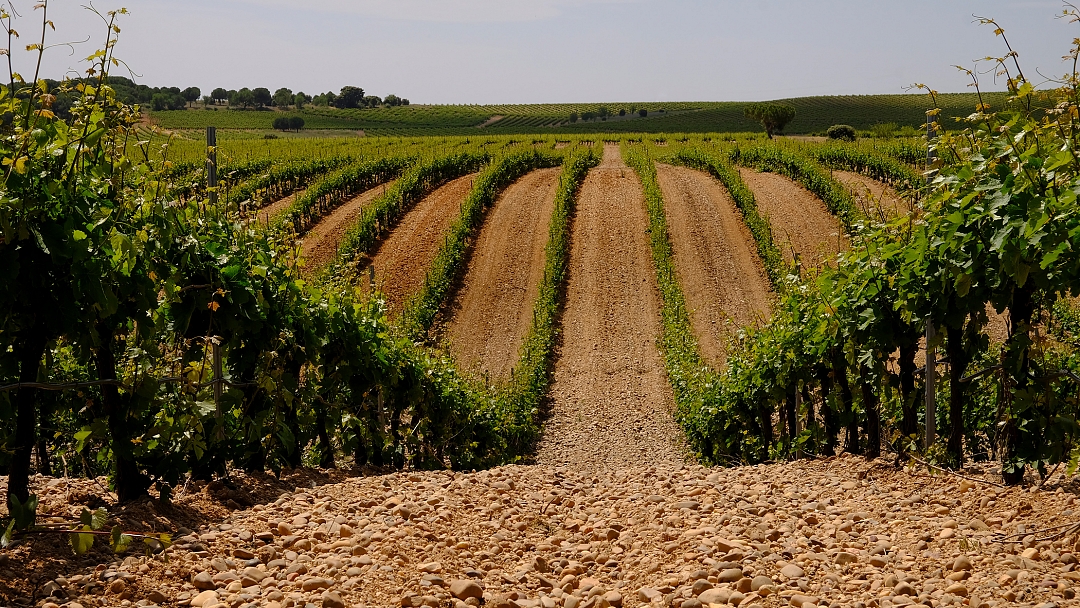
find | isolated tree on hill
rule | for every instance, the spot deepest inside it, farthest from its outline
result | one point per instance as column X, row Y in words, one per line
column 350, row 97
column 392, row 100
column 773, row 116
column 191, row 94
column 219, row 95
column 296, row 123
column 263, row 97
column 372, row 101
column 284, row 97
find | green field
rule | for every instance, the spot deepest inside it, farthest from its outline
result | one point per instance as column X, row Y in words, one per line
column 815, row 115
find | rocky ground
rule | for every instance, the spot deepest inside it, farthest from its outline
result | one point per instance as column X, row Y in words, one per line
column 834, row 532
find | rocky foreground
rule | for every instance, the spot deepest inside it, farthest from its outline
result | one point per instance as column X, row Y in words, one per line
column 835, row 532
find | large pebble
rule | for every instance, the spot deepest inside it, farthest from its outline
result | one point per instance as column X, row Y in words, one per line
column 465, row 589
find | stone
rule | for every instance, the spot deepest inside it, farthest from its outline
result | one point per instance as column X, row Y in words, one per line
column 1031, row 553
column 701, row 585
column 464, row 589
column 254, row 574
column 692, row 603
column 203, row 581
column 736, row 598
column 314, row 584
column 802, row 601
column 345, row 531
column 157, row 597
column 206, row 598
column 792, row 571
column 431, row 567
column 117, row 587
column 242, row 553
column 843, row 558
column 957, row 589
column 961, row 563
column 284, row 529
column 903, row 588
column 647, row 595
column 760, row 581
column 331, row 599
column 614, row 599
column 730, row 575
column 715, row 596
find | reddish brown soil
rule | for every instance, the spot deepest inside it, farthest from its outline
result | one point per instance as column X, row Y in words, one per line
column 876, row 200
column 721, row 274
column 268, row 212
column 611, row 401
column 401, row 261
column 492, row 310
column 320, row 244
column 801, row 224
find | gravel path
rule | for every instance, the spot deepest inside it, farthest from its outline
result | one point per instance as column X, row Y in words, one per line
column 611, row 402
column 799, row 220
column 839, row 532
column 492, row 310
column 402, row 260
column 720, row 272
column 320, row 245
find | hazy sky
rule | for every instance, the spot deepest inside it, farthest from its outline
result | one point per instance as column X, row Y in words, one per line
column 520, row 51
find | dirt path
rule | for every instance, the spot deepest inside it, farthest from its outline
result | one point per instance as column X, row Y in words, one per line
column 268, row 212
column 866, row 189
column 492, row 310
column 320, row 244
column 721, row 274
column 611, row 402
column 401, row 261
column 799, row 219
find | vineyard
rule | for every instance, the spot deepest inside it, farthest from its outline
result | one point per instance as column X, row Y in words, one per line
column 883, row 115
column 731, row 363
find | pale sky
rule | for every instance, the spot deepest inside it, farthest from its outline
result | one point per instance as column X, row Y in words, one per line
column 534, row 51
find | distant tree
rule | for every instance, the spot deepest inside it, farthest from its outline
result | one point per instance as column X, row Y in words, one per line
column 300, row 99
column 244, row 98
column 392, row 100
column 263, row 97
column 349, row 97
column 843, row 132
column 281, row 123
column 165, row 100
column 191, row 94
column 296, row 123
column 588, row 115
column 372, row 101
column 603, row 112
column 643, row 112
column 219, row 95
column 773, row 116
column 404, row 101
column 284, row 97
column 207, row 100
column 622, row 111
column 573, row 117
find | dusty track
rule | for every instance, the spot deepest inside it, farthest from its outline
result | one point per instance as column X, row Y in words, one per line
column 320, row 244
column 268, row 212
column 401, row 261
column 882, row 197
column 492, row 309
column 721, row 274
column 611, row 402
column 799, row 219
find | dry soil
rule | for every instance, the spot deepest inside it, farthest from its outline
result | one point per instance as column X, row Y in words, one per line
column 492, row 310
column 611, row 402
column 720, row 272
column 320, row 245
column 402, row 260
column 800, row 222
